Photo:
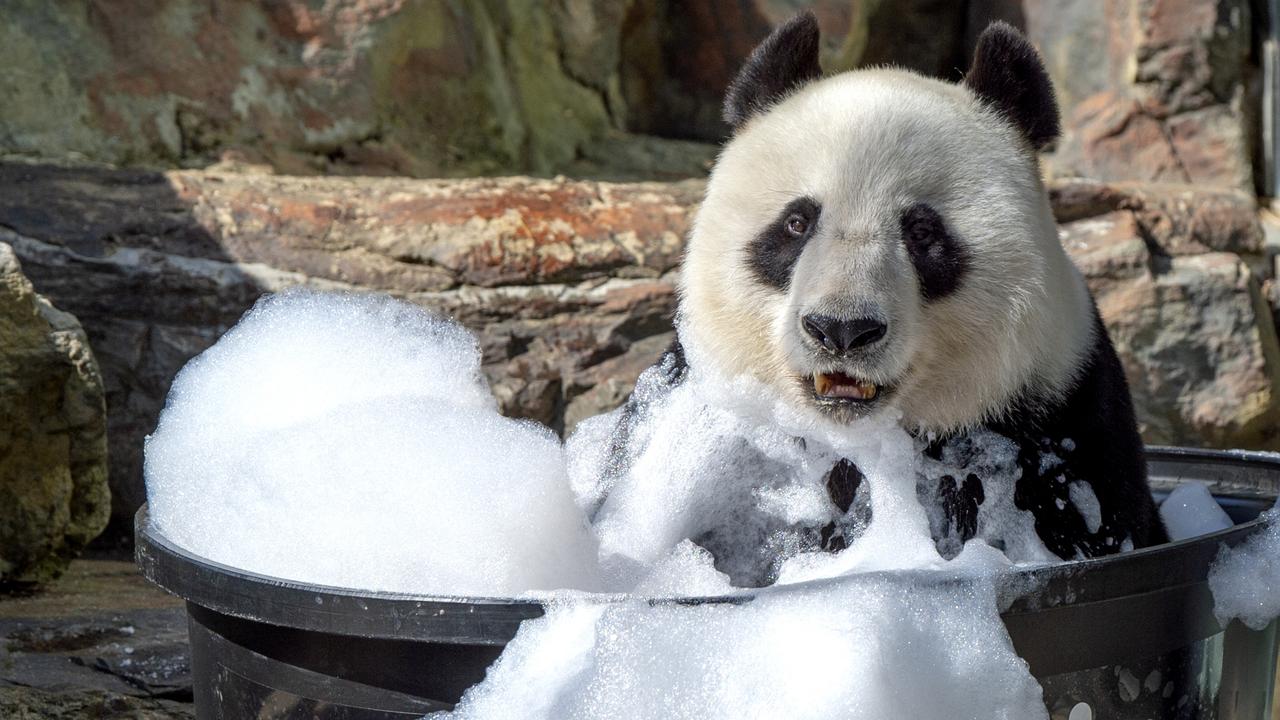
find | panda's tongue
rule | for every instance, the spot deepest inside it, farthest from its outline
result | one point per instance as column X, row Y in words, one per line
column 839, row 385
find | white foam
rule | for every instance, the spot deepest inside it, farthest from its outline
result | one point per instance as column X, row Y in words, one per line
column 688, row 571
column 1086, row 503
column 872, row 646
column 350, row 440
column 724, row 463
column 1190, row 511
column 1245, row 580
column 706, row 465
column 1000, row 523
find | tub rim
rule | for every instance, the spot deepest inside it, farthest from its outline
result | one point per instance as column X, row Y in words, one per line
column 1170, row 571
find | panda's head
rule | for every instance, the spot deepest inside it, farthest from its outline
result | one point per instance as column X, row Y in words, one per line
column 880, row 239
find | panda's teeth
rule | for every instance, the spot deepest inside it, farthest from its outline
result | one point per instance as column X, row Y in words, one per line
column 843, row 386
column 821, row 383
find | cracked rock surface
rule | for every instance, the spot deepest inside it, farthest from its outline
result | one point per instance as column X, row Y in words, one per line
column 99, row 642
column 1151, row 90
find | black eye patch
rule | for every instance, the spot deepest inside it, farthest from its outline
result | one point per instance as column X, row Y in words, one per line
column 940, row 260
column 773, row 253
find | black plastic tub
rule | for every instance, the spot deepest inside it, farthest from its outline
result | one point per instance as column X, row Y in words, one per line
column 1129, row 636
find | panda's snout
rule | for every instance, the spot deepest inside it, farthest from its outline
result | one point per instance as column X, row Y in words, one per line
column 841, row 336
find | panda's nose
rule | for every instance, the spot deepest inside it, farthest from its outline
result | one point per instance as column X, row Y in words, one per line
column 839, row 335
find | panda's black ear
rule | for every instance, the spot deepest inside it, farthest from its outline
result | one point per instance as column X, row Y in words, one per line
column 1008, row 74
column 787, row 59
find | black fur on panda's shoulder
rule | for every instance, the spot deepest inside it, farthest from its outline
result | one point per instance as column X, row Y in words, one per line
column 784, row 61
column 1094, row 435
column 1089, row 436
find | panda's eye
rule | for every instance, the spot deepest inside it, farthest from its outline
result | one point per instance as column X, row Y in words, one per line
column 941, row 260
column 797, row 224
column 773, row 254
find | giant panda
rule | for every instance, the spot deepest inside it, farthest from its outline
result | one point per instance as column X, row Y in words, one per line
column 877, row 239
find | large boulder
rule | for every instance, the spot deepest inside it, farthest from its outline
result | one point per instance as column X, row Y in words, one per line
column 1200, row 350
column 54, row 496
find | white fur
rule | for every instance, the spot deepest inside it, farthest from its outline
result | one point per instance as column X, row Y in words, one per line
column 866, row 145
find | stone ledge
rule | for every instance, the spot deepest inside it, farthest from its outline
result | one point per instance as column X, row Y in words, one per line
column 570, row 284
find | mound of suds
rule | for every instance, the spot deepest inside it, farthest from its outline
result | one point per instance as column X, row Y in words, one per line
column 1245, row 580
column 350, row 440
column 872, row 646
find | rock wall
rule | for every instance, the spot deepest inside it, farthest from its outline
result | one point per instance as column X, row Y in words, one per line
column 570, row 284
column 1155, row 90
column 425, row 88
column 1152, row 90
column 401, row 87
column 53, row 447
column 1173, row 271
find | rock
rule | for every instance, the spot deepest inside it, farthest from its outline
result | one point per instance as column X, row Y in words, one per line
column 927, row 36
column 1078, row 198
column 1167, row 265
column 1194, row 333
column 1157, row 90
column 1189, row 220
column 678, row 58
column 1107, row 248
column 22, row 703
column 98, row 642
column 1153, row 90
column 54, row 496
column 1205, row 351
column 1179, row 219
column 1109, row 136
column 607, row 385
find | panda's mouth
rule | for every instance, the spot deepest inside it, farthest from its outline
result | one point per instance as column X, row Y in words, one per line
column 841, row 388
